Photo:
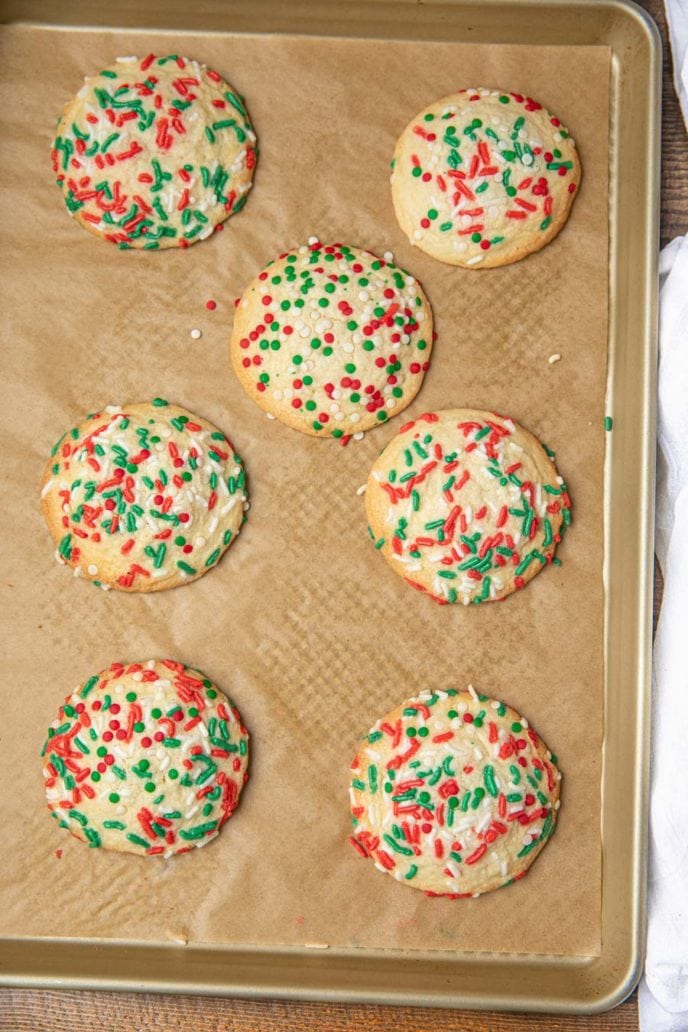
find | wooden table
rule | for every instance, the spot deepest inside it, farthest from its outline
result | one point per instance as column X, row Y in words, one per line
column 28, row 1010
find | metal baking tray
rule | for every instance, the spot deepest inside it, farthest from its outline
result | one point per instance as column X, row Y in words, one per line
column 470, row 980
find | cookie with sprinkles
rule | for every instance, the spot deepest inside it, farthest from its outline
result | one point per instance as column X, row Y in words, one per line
column 146, row 758
column 332, row 340
column 466, row 505
column 483, row 178
column 453, row 793
column 154, row 153
column 143, row 497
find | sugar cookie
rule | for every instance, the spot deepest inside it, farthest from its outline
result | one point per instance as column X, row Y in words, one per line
column 453, row 793
column 146, row 758
column 331, row 339
column 143, row 497
column 466, row 505
column 154, row 153
column 483, row 177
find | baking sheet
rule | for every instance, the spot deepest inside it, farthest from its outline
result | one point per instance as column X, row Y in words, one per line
column 302, row 623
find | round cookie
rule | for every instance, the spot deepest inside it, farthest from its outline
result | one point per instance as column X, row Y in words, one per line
column 466, row 505
column 146, row 758
column 483, row 178
column 154, row 153
column 143, row 497
column 332, row 340
column 453, row 793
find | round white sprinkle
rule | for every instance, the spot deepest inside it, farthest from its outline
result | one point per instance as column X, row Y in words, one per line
column 196, row 334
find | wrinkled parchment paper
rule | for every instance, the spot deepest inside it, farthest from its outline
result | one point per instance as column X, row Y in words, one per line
column 302, row 623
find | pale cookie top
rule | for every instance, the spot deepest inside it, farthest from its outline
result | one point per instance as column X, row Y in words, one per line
column 154, row 153
column 466, row 505
column 143, row 497
column 483, row 177
column 146, row 758
column 453, row 793
column 331, row 339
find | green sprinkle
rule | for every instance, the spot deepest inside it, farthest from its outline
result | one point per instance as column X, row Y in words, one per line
column 489, row 778
column 527, row 849
column 199, row 831
column 137, row 840
column 213, row 557
column 478, row 795
column 93, row 837
column 392, row 842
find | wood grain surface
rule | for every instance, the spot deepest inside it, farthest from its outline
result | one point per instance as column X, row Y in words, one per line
column 26, row 1010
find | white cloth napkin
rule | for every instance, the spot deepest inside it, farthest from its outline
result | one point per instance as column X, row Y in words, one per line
column 663, row 995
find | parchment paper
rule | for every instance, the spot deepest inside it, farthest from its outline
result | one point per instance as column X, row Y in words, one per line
column 302, row 623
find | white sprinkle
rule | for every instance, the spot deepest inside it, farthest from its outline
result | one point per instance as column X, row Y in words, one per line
column 361, row 490
column 313, row 240
column 553, row 358
column 359, row 435
column 196, row 334
column 388, row 256
column 92, row 569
